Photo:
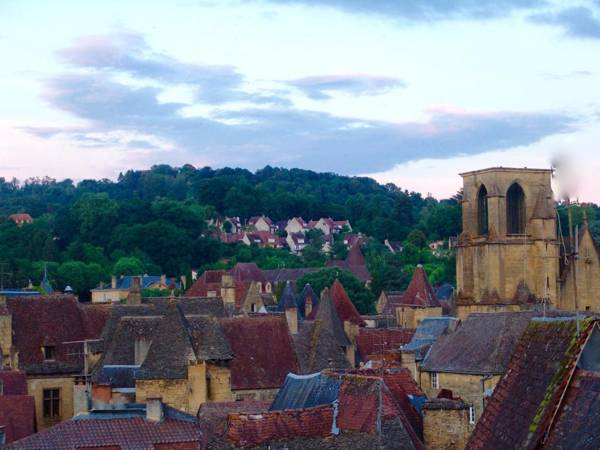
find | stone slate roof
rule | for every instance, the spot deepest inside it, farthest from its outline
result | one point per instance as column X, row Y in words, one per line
column 52, row 321
column 482, row 344
column 263, row 351
column 344, row 306
column 123, row 429
column 247, row 272
column 283, row 275
column 306, row 391
column 317, row 349
column 120, row 349
column 522, row 408
column 288, row 298
column 419, row 292
column 371, row 341
column 208, row 338
column 118, row 377
column 430, row 329
column 327, row 315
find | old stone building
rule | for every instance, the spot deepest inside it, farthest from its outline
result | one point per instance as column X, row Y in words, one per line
column 509, row 240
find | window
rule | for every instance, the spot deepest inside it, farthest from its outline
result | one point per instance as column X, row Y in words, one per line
column 482, row 211
column 515, row 210
column 49, row 352
column 434, row 381
column 472, row 415
column 252, row 307
column 51, row 403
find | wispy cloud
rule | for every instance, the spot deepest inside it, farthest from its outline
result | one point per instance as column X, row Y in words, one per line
column 424, row 10
column 577, row 22
column 320, row 87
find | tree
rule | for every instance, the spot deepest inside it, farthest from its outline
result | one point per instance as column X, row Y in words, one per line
column 128, row 265
column 361, row 297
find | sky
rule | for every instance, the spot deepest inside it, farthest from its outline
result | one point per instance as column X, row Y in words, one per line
column 411, row 92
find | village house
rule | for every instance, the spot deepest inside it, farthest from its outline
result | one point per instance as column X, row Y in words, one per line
column 261, row 223
column 262, row 239
column 118, row 290
column 549, row 396
column 334, row 411
column 17, row 409
column 409, row 308
column 296, row 242
column 428, row 331
column 329, row 226
column 152, row 425
column 46, row 338
column 21, row 219
column 470, row 361
column 296, row 225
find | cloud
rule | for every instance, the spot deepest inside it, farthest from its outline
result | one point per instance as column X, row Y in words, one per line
column 285, row 136
column 129, row 53
column 578, row 22
column 424, row 10
column 567, row 75
column 319, row 87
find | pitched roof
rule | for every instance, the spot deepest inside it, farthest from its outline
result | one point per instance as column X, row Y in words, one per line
column 263, row 351
column 355, row 256
column 344, row 306
column 13, row 382
column 306, row 391
column 17, row 416
column 419, row 291
column 288, row 298
column 482, row 344
column 51, row 321
column 328, row 317
column 393, row 300
column 426, row 334
column 247, row 272
column 371, row 341
column 317, row 348
column 281, row 275
column 306, row 294
column 354, row 263
column 209, row 280
column 523, row 405
column 125, row 429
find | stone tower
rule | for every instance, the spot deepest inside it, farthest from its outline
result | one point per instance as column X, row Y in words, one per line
column 508, row 250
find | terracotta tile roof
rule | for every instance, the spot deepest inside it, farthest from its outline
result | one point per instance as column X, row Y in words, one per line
column 354, row 263
column 17, row 416
column 355, row 256
column 247, row 272
column 482, row 344
column 522, row 406
column 393, row 300
column 263, row 351
column 52, row 321
column 14, row 382
column 371, row 341
column 344, row 306
column 258, row 429
column 210, row 280
column 419, row 291
column 20, row 217
column 125, row 433
column 283, row 275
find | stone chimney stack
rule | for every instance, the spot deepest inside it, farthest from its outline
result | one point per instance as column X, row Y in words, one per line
column 113, row 282
column 291, row 315
column 154, row 410
column 163, row 280
column 308, row 306
column 135, row 291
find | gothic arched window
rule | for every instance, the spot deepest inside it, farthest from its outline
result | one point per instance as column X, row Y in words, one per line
column 515, row 210
column 482, row 211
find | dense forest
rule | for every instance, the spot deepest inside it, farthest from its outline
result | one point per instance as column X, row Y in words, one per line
column 155, row 221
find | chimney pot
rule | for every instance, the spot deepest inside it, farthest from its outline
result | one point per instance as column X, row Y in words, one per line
column 154, row 410
column 113, row 282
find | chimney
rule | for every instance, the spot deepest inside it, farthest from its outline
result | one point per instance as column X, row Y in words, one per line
column 113, row 282
column 308, row 306
column 154, row 410
column 135, row 291
column 2, row 300
column 163, row 280
column 291, row 315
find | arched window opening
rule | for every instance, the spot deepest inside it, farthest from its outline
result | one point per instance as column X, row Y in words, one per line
column 482, row 211
column 515, row 210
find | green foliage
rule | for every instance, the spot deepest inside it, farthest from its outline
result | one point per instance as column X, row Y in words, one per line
column 128, row 265
column 362, row 297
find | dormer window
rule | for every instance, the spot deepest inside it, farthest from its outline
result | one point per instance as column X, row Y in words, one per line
column 49, row 352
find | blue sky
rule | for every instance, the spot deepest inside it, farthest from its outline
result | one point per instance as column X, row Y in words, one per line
column 409, row 92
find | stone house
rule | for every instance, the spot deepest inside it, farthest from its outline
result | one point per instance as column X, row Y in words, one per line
column 446, row 424
column 47, row 338
column 550, row 394
column 470, row 362
column 119, row 287
column 428, row 331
